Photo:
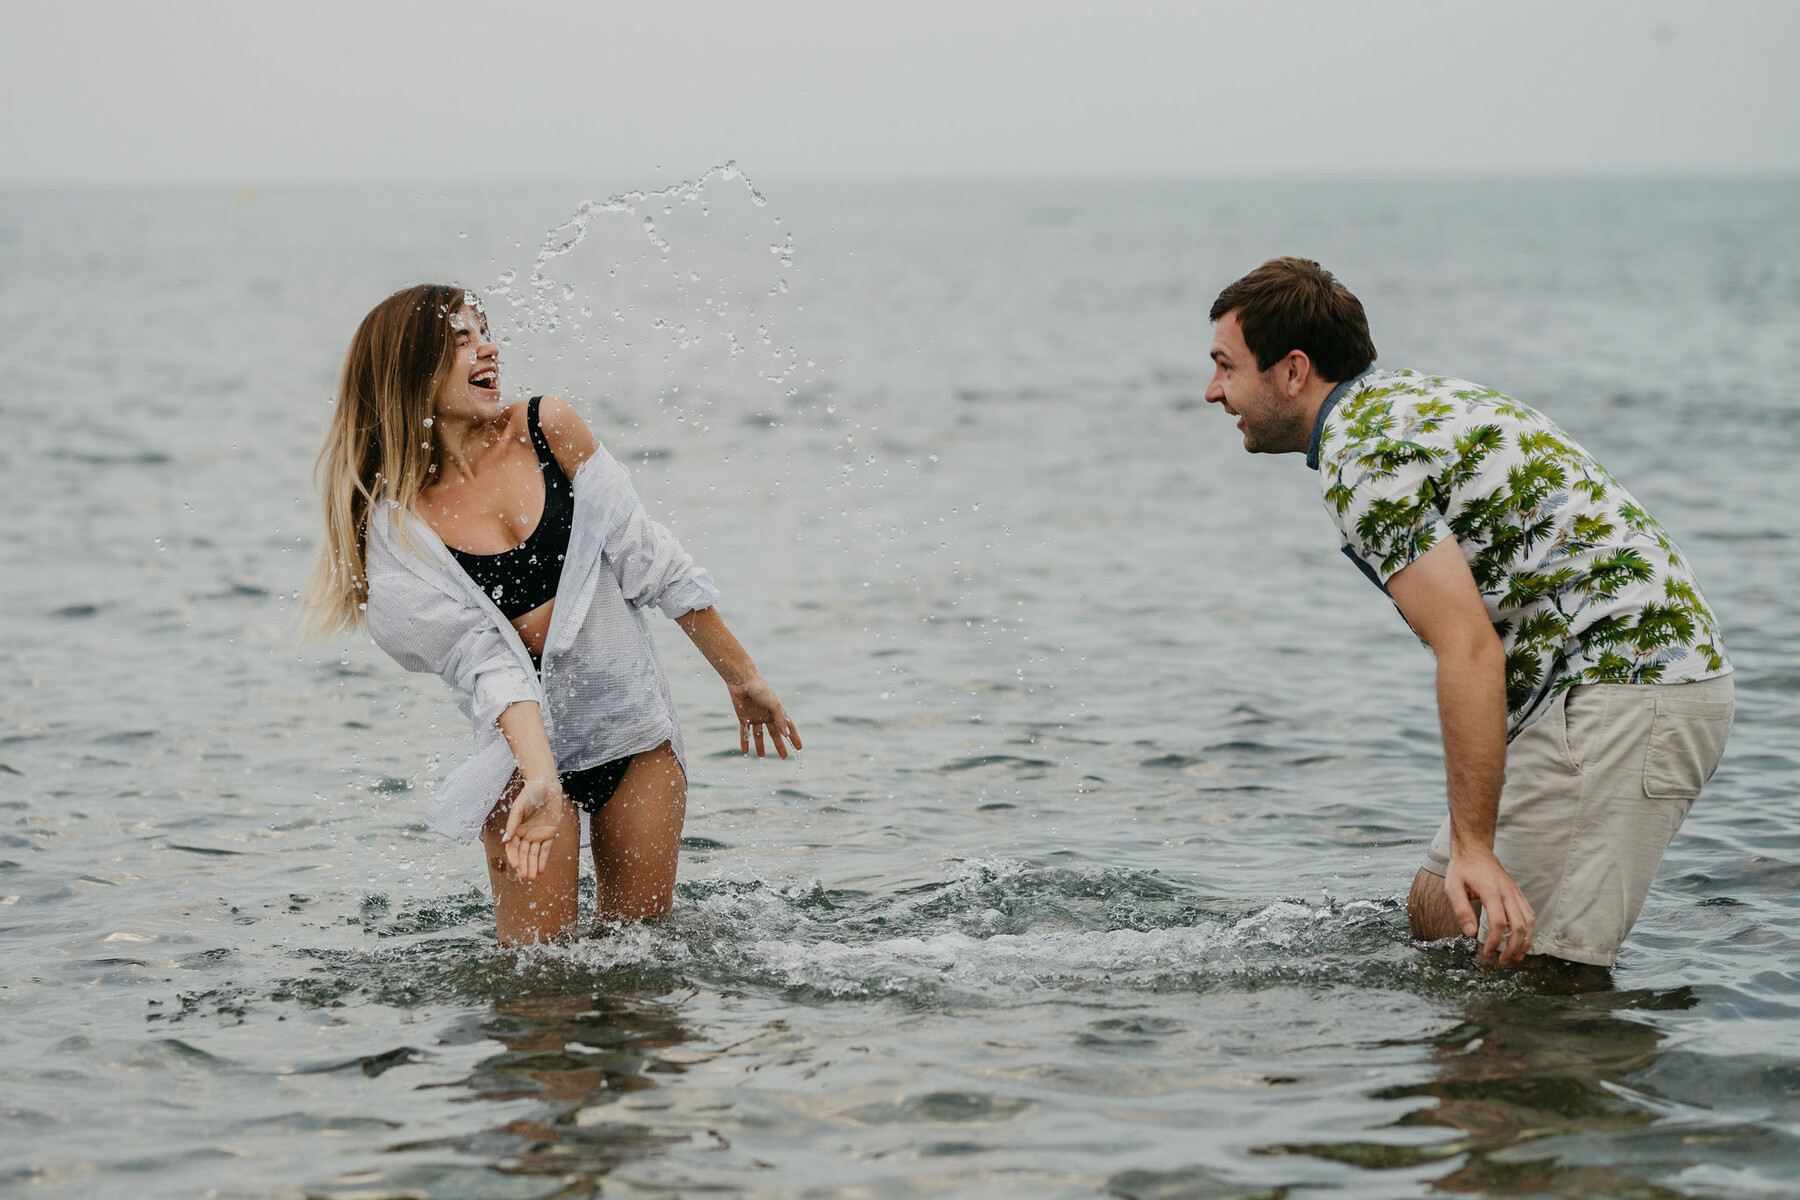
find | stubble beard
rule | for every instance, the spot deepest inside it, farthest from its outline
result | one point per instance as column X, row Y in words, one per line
column 1279, row 429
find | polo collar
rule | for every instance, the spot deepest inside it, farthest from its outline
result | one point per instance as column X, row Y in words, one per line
column 1318, row 430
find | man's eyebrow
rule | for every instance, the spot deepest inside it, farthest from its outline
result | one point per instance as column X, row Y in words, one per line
column 1216, row 354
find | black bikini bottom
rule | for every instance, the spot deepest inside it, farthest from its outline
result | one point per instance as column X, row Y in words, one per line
column 592, row 788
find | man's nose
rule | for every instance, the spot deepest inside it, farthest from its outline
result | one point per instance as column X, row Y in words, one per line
column 1215, row 391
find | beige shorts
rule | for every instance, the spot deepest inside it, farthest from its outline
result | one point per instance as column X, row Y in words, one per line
column 1595, row 789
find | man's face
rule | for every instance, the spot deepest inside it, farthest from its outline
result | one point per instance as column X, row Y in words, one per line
column 1271, row 421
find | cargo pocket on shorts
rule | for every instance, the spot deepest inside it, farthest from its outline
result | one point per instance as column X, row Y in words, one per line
column 1687, row 738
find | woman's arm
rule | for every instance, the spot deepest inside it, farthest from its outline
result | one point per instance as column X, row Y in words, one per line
column 540, row 807
column 650, row 562
column 423, row 628
column 755, row 701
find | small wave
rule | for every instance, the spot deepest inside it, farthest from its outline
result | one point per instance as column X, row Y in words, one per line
column 994, row 932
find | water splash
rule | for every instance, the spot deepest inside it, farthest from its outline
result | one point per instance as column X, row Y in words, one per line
column 994, row 932
column 541, row 292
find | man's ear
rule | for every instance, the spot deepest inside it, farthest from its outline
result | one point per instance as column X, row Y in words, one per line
column 1296, row 373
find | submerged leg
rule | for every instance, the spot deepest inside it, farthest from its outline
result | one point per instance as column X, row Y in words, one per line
column 1428, row 909
column 637, row 837
column 546, row 908
column 1432, row 919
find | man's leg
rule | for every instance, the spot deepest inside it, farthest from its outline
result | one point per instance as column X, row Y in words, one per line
column 1539, row 802
column 1428, row 908
column 1595, row 789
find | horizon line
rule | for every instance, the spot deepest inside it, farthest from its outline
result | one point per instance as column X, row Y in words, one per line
column 448, row 182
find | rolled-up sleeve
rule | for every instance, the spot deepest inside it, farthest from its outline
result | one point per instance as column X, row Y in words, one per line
column 650, row 564
column 423, row 629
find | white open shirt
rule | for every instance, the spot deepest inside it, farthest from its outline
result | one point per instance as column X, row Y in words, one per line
column 602, row 688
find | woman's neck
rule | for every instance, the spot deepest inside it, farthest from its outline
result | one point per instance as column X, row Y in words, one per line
column 462, row 443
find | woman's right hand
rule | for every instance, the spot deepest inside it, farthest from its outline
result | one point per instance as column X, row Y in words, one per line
column 539, row 813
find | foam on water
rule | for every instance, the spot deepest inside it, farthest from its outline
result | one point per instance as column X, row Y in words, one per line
column 995, row 932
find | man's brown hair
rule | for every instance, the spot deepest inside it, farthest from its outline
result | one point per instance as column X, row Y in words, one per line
column 1292, row 304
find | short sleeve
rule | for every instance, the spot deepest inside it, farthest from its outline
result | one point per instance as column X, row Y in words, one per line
column 1385, row 497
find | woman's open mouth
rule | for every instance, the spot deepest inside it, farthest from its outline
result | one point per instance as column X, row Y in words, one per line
column 486, row 381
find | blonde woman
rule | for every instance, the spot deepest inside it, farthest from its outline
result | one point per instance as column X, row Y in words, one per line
column 500, row 547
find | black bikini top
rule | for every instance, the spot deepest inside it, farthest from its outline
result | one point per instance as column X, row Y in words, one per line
column 525, row 577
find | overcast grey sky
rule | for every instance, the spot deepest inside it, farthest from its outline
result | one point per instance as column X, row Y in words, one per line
column 252, row 91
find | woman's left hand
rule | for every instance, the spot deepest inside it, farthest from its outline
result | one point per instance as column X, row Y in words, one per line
column 758, row 706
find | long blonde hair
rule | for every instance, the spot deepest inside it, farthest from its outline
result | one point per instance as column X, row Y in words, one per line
column 380, row 444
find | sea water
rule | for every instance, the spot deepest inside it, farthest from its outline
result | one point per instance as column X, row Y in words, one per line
column 1089, row 880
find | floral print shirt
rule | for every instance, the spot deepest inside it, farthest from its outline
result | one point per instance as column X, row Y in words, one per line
column 1582, row 585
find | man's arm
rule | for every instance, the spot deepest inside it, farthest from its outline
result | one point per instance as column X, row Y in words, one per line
column 1438, row 597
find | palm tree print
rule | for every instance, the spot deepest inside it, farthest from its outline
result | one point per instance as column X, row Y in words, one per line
column 1581, row 583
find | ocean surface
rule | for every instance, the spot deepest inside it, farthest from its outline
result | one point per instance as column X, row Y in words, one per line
column 1089, row 880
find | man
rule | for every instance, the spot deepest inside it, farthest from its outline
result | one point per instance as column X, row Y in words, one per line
column 1582, row 686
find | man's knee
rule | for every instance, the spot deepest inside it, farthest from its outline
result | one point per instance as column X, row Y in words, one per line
column 1428, row 909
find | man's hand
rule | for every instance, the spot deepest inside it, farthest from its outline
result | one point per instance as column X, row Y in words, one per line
column 1477, row 883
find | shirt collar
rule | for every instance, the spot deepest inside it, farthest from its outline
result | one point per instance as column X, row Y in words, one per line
column 1318, row 429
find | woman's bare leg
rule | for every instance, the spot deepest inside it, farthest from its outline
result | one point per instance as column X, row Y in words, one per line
column 637, row 837
column 548, row 906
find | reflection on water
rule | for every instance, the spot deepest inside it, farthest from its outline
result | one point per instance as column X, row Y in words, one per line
column 580, row 1059
column 1539, row 1088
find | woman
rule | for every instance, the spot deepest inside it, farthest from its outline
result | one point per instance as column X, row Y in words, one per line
column 501, row 547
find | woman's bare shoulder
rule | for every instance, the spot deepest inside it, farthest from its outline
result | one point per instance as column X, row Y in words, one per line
column 570, row 439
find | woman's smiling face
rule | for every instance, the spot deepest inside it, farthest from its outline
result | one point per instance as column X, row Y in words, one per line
column 471, row 390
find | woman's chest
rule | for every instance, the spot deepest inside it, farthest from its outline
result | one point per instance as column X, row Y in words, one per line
column 491, row 510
